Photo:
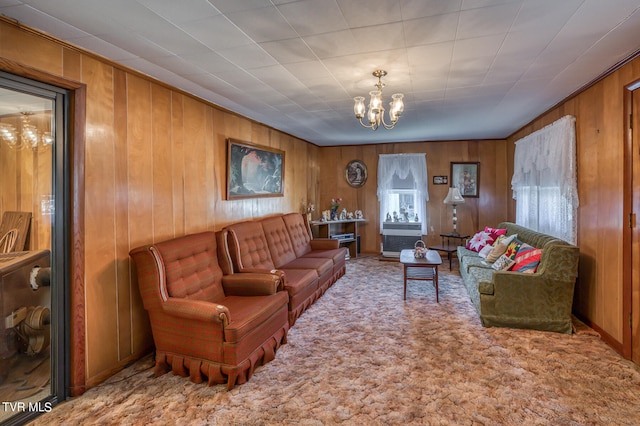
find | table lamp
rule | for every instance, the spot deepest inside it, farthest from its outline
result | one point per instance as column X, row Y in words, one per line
column 454, row 197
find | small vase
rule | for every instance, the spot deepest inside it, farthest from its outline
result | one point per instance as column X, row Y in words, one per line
column 334, row 213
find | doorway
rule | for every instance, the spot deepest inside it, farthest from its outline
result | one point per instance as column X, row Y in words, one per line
column 34, row 250
column 631, row 297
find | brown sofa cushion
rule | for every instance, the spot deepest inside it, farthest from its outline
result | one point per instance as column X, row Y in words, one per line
column 298, row 232
column 248, row 247
column 321, row 265
column 278, row 239
column 192, row 268
column 249, row 313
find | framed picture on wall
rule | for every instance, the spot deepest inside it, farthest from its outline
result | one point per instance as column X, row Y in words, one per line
column 254, row 170
column 441, row 180
column 466, row 177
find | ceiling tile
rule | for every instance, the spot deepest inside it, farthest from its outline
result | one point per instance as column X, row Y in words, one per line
column 412, row 9
column 475, row 55
column 309, row 70
column 487, row 20
column 432, row 60
column 360, row 13
column 231, row 6
column 210, row 62
column 216, row 32
column 433, row 29
column 181, row 11
column 333, row 44
column 248, row 56
column 264, row 24
column 289, row 51
column 312, row 17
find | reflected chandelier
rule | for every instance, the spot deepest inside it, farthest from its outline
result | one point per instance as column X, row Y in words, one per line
column 27, row 137
column 375, row 115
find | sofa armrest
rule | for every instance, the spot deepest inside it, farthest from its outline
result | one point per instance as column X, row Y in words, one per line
column 276, row 272
column 324, row 244
column 252, row 284
column 196, row 310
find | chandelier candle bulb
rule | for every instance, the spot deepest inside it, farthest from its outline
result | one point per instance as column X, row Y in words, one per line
column 359, row 108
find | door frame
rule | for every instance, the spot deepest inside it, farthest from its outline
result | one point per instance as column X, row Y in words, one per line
column 628, row 227
column 76, row 141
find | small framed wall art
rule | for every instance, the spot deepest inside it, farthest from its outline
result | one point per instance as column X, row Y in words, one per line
column 441, row 180
column 356, row 173
column 466, row 177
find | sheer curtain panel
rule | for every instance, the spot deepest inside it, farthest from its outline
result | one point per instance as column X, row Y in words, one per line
column 544, row 180
column 403, row 166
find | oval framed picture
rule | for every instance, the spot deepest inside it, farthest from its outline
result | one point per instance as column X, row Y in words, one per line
column 356, row 173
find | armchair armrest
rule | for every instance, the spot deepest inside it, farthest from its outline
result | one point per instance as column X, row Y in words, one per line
column 324, row 244
column 252, row 284
column 196, row 310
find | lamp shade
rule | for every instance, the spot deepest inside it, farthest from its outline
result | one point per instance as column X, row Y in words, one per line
column 454, row 196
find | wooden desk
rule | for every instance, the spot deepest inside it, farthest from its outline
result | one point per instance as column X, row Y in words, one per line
column 449, row 248
column 420, row 269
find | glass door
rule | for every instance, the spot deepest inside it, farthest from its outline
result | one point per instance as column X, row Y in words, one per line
column 32, row 247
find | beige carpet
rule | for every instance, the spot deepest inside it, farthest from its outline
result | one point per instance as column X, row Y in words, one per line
column 363, row 356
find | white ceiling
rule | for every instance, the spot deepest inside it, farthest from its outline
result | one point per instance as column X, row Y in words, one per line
column 469, row 69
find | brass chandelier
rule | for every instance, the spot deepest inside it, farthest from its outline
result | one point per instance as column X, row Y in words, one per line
column 375, row 115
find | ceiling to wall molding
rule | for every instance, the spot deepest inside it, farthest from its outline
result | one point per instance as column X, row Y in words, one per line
column 469, row 69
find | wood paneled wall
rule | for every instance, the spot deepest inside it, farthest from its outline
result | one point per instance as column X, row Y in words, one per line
column 599, row 112
column 489, row 208
column 155, row 168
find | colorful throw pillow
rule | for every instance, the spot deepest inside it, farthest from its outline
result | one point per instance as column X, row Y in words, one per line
column 512, row 248
column 478, row 241
column 527, row 259
column 495, row 232
column 503, row 263
column 485, row 251
column 499, row 247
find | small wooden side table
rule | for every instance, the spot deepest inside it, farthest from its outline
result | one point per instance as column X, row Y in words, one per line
column 448, row 247
column 425, row 269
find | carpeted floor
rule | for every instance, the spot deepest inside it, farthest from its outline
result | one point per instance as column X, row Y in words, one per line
column 363, row 356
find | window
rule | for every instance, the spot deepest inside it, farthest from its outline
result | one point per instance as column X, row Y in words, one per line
column 544, row 180
column 402, row 188
column 403, row 202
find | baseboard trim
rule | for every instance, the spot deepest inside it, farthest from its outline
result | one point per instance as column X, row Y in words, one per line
column 604, row 336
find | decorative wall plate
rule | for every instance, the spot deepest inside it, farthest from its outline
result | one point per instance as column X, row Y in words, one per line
column 356, row 173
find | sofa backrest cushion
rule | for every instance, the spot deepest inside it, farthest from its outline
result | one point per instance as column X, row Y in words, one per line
column 559, row 260
column 298, row 232
column 278, row 240
column 191, row 267
column 526, row 235
column 248, row 246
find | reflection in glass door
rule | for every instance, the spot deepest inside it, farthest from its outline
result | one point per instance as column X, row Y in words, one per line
column 31, row 312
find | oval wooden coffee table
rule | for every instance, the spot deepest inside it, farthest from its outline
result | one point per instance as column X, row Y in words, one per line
column 420, row 269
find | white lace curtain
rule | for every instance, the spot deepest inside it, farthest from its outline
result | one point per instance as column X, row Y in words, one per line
column 544, row 180
column 403, row 165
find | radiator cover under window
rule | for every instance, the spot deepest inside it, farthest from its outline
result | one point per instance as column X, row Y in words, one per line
column 397, row 236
